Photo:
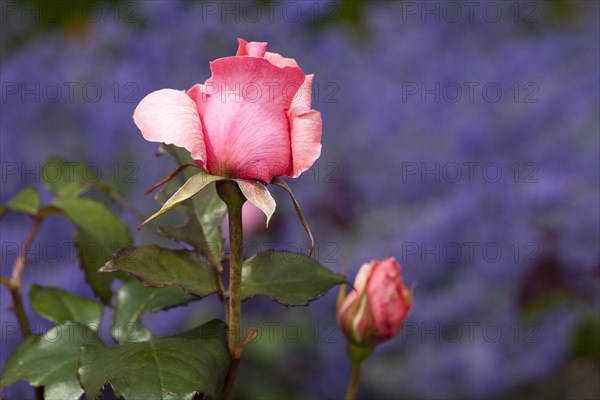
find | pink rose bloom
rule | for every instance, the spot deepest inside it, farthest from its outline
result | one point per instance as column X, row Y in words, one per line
column 376, row 309
column 252, row 119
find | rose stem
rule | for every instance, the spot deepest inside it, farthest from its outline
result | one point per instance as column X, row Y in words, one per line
column 357, row 354
column 16, row 280
column 15, row 285
column 352, row 390
column 234, row 198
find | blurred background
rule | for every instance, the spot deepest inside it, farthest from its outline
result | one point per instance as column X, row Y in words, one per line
column 460, row 137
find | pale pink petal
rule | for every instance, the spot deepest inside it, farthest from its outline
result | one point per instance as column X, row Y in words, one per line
column 252, row 49
column 170, row 116
column 280, row 61
column 306, row 129
column 246, row 129
column 345, row 304
column 303, row 97
column 258, row 194
column 360, row 282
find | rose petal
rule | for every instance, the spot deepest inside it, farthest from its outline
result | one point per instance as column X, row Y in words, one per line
column 280, row 61
column 170, row 116
column 246, row 129
column 385, row 291
column 252, row 49
column 345, row 304
column 199, row 93
column 303, row 97
column 360, row 282
column 306, row 129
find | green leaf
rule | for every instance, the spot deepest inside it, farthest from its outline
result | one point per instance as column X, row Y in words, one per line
column 202, row 226
column 204, row 212
column 159, row 267
column 50, row 360
column 192, row 186
column 170, row 367
column 291, row 279
column 26, row 201
column 257, row 193
column 99, row 234
column 66, row 178
column 60, row 307
column 134, row 300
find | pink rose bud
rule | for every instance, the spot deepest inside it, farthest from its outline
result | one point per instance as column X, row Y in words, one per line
column 376, row 309
column 252, row 119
